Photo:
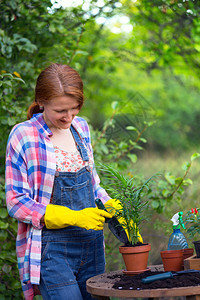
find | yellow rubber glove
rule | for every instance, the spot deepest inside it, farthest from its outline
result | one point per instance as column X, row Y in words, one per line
column 57, row 216
column 111, row 206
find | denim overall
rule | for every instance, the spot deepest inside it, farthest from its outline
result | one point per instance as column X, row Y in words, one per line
column 71, row 255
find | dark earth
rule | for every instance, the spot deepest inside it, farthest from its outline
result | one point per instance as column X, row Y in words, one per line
column 127, row 282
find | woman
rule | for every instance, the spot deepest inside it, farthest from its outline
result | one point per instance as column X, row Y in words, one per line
column 51, row 187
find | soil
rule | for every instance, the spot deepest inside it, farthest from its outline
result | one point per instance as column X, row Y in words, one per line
column 133, row 245
column 127, row 282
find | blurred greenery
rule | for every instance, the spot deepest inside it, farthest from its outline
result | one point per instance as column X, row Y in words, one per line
column 139, row 61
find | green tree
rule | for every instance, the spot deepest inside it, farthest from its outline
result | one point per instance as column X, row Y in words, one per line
column 165, row 34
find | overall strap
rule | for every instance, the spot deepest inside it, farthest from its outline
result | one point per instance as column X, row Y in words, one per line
column 80, row 146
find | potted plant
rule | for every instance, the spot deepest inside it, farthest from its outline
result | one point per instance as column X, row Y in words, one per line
column 131, row 212
column 192, row 222
column 177, row 251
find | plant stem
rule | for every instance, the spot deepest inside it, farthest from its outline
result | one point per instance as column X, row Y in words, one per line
column 180, row 183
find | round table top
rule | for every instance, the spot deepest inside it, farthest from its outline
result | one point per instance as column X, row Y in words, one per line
column 101, row 285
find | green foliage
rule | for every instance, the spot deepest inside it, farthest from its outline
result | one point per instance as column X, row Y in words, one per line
column 163, row 45
column 167, row 33
column 11, row 110
column 177, row 113
column 192, row 222
column 108, row 144
column 170, row 188
column 9, row 276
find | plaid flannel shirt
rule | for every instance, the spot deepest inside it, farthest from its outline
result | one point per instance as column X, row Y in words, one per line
column 30, row 170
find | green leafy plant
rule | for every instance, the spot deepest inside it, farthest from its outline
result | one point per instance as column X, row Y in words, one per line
column 192, row 222
column 133, row 206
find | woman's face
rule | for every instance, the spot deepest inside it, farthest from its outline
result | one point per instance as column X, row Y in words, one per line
column 60, row 111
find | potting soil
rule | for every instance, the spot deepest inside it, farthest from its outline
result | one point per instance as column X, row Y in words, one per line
column 127, row 282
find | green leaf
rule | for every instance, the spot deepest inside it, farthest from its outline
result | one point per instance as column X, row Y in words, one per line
column 19, row 79
column 143, row 140
column 103, row 148
column 133, row 157
column 165, row 193
column 187, row 181
column 7, row 82
column 186, row 166
column 7, row 74
column 149, row 124
column 180, row 190
column 155, row 204
column 3, row 225
column 194, row 156
column 11, row 122
column 138, row 147
column 131, row 128
column 178, row 180
column 132, row 143
column 114, row 105
column 78, row 52
column 3, row 213
column 170, row 179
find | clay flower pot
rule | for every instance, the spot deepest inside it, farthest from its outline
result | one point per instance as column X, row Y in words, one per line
column 197, row 248
column 172, row 260
column 135, row 258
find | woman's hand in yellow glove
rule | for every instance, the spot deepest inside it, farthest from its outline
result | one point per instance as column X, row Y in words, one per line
column 112, row 206
column 57, row 216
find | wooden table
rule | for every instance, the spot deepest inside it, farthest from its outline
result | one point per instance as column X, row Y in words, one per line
column 100, row 287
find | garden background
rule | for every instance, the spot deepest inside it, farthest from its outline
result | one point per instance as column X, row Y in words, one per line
column 140, row 64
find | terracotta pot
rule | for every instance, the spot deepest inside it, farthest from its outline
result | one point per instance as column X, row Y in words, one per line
column 172, row 260
column 197, row 248
column 135, row 258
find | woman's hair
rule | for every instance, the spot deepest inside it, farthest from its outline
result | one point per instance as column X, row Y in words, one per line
column 56, row 81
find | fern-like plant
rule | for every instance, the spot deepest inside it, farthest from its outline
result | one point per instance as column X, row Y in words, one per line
column 133, row 205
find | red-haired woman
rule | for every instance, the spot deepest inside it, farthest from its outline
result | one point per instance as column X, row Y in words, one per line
column 51, row 186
